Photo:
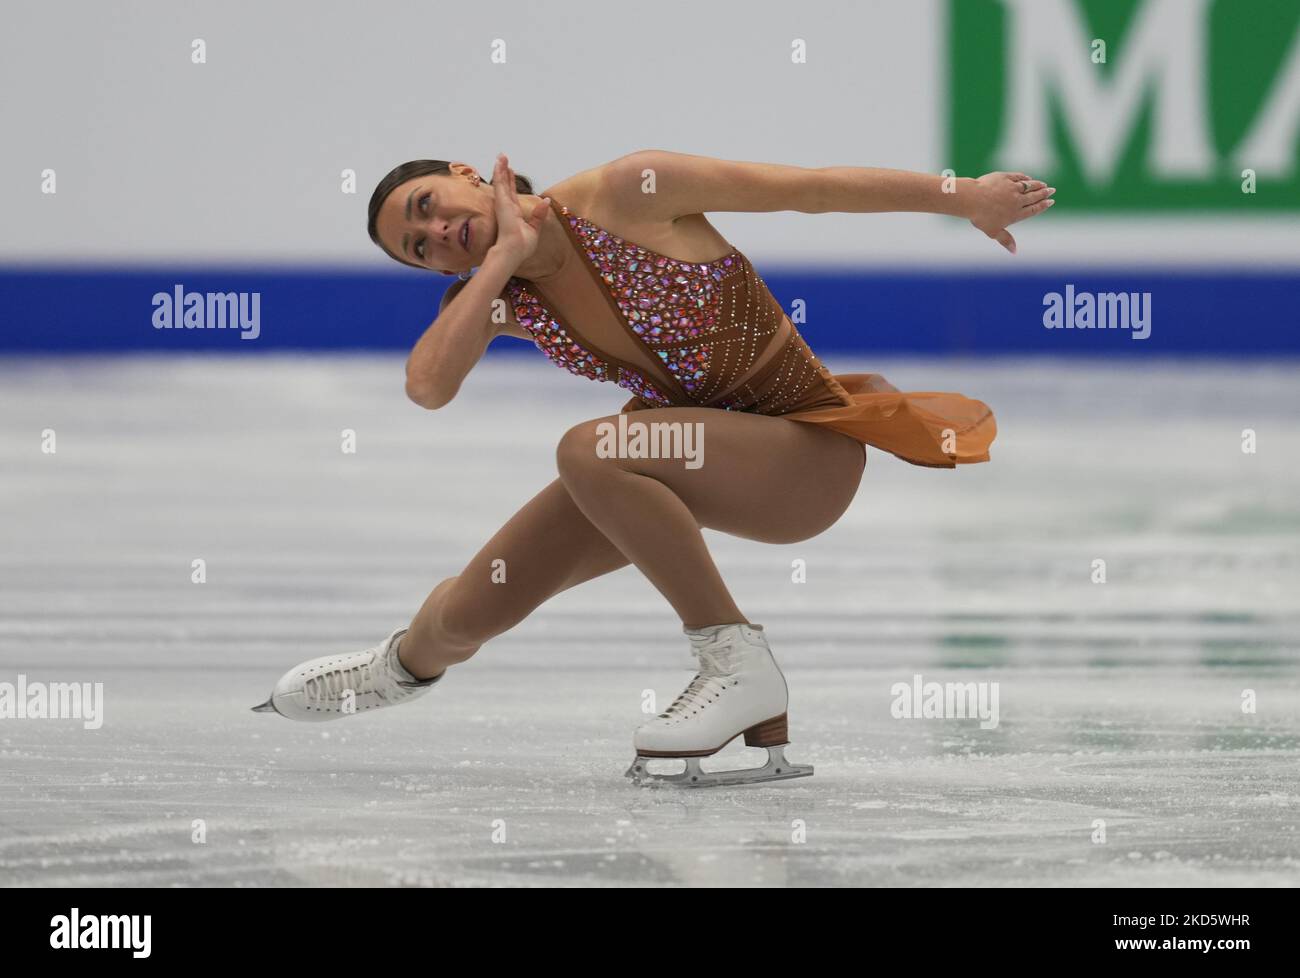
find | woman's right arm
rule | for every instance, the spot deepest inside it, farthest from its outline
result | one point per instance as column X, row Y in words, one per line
column 457, row 339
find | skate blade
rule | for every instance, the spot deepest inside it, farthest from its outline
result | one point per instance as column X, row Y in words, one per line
column 267, row 707
column 777, row 768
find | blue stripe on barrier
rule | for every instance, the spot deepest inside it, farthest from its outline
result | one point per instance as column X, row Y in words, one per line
column 1208, row 312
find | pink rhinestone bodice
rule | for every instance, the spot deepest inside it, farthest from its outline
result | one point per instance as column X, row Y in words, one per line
column 698, row 329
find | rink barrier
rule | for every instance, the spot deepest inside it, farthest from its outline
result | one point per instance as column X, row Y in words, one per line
column 50, row 309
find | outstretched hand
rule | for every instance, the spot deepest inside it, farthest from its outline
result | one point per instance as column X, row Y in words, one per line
column 1002, row 199
column 518, row 233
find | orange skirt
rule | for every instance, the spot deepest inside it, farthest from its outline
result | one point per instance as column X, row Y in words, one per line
column 928, row 428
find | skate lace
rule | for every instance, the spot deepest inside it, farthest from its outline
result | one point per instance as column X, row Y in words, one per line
column 332, row 684
column 709, row 679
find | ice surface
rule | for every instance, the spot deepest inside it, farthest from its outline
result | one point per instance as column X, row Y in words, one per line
column 1119, row 701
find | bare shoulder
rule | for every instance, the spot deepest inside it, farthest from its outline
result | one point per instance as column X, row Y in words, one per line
column 622, row 196
column 579, row 190
column 611, row 193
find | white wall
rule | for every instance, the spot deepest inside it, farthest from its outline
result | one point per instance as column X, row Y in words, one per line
column 239, row 159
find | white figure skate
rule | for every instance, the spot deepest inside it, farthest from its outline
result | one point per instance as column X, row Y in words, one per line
column 739, row 689
column 334, row 686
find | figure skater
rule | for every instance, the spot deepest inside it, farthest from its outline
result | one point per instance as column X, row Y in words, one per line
column 616, row 275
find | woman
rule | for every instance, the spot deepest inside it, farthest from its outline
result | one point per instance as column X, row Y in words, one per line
column 616, row 275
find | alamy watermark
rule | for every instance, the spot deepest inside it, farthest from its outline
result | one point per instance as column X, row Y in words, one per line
column 179, row 309
column 1098, row 310
column 53, row 701
column 654, row 439
column 920, row 700
column 102, row 931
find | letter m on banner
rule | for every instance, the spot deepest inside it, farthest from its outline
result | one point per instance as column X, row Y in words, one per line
column 1190, row 94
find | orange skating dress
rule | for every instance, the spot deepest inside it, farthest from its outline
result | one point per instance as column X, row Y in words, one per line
column 711, row 334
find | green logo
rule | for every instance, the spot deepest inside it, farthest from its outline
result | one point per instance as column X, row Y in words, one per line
column 1168, row 105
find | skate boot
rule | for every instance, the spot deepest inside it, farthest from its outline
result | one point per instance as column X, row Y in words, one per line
column 335, row 686
column 739, row 689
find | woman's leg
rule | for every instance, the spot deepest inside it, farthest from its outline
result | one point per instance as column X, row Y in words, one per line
column 545, row 548
column 763, row 478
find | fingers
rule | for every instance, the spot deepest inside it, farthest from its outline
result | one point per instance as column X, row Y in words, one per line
column 539, row 212
column 499, row 180
column 507, row 175
column 1033, row 210
column 503, row 189
column 1005, row 239
column 1025, row 184
column 1027, row 212
column 1036, row 196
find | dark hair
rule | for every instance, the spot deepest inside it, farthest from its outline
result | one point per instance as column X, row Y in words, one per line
column 409, row 171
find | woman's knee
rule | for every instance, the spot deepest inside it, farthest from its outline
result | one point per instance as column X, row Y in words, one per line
column 575, row 454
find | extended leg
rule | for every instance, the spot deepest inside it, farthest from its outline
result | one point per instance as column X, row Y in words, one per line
column 545, row 548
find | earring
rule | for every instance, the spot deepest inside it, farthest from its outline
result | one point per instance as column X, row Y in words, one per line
column 465, row 276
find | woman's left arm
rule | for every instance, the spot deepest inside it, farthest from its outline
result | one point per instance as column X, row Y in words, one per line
column 686, row 184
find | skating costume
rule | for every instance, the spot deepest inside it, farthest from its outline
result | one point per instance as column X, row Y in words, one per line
column 711, row 334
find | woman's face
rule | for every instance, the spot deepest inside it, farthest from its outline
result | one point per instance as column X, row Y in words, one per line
column 442, row 222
